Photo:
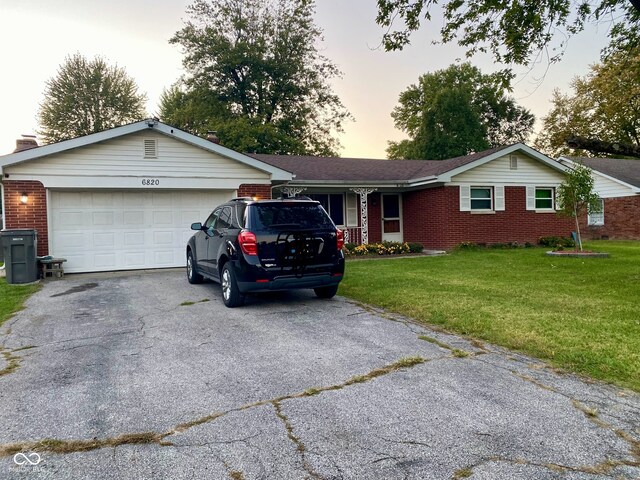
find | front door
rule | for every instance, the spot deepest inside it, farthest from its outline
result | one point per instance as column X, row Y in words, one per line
column 391, row 217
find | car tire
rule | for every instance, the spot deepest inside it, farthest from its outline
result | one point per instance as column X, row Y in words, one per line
column 326, row 292
column 192, row 275
column 231, row 295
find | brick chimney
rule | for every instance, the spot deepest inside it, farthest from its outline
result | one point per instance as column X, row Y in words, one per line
column 212, row 137
column 25, row 143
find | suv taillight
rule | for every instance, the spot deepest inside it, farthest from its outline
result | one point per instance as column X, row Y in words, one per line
column 340, row 238
column 248, row 242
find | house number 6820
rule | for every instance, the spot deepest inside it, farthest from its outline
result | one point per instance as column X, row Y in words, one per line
column 150, row 181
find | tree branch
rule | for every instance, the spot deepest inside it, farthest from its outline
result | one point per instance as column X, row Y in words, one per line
column 594, row 145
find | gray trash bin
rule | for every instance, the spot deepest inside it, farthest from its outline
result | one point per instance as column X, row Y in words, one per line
column 19, row 247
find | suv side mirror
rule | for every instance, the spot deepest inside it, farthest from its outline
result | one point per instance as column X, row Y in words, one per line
column 196, row 226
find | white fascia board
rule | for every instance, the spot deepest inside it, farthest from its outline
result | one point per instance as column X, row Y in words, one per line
column 45, row 150
column 570, row 163
column 348, row 183
column 550, row 162
column 149, row 124
column 78, row 182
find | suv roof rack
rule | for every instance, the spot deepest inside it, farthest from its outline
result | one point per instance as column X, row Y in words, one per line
column 241, row 199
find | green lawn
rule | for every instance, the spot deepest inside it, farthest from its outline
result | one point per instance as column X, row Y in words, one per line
column 12, row 297
column 579, row 314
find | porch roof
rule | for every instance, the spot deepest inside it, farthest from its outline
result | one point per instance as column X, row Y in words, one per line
column 358, row 170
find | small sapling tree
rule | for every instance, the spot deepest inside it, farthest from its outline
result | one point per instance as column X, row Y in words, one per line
column 576, row 196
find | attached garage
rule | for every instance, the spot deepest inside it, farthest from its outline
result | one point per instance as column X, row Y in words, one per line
column 124, row 199
column 114, row 230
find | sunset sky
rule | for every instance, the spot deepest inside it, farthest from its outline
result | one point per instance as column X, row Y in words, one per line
column 36, row 35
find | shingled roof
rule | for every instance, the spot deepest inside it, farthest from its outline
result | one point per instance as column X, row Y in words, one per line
column 311, row 168
column 625, row 170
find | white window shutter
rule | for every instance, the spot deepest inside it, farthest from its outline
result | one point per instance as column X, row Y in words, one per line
column 498, row 204
column 531, row 198
column 465, row 198
column 352, row 210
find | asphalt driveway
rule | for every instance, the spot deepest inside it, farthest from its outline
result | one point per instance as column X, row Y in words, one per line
column 141, row 375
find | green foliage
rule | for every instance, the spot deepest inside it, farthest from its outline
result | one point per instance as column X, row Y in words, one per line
column 576, row 196
column 605, row 104
column 457, row 111
column 415, row 247
column 518, row 32
column 556, row 242
column 254, row 74
column 384, row 248
column 88, row 96
column 579, row 315
column 12, row 297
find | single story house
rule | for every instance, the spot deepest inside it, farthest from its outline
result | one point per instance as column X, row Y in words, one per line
column 125, row 198
column 500, row 195
column 617, row 182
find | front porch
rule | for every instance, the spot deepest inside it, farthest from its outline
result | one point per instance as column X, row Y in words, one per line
column 365, row 214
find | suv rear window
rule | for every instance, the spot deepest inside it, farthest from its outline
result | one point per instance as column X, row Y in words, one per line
column 273, row 216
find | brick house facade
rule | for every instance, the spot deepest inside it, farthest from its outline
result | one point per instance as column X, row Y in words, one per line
column 443, row 225
column 617, row 182
column 32, row 215
column 621, row 220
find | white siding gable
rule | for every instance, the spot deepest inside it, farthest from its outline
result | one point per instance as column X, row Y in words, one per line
column 607, row 188
column 498, row 171
column 122, row 162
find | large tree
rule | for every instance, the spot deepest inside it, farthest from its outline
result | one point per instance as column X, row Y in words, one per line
column 254, row 74
column 457, row 111
column 88, row 96
column 604, row 105
column 513, row 32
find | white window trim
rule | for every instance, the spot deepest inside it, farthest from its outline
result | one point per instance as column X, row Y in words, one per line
column 491, row 198
column 344, row 210
column 596, row 219
column 553, row 199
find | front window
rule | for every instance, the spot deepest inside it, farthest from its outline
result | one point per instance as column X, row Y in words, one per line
column 333, row 203
column 544, row 198
column 596, row 217
column 481, row 198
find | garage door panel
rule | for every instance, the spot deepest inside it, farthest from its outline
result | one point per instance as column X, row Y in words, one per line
column 101, row 231
column 104, row 240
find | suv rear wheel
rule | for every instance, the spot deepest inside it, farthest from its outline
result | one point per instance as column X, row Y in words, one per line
column 192, row 275
column 231, row 296
column 326, row 292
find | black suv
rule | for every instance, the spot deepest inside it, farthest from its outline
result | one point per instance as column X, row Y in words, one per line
column 264, row 245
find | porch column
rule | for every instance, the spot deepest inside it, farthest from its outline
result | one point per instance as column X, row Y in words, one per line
column 292, row 191
column 363, row 192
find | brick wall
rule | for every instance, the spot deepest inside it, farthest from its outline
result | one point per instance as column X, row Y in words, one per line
column 621, row 220
column 374, row 217
column 254, row 190
column 31, row 215
column 433, row 218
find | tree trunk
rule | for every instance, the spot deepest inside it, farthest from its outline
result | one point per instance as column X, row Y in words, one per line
column 578, row 236
column 594, row 145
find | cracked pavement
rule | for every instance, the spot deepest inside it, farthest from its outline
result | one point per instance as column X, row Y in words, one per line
column 119, row 375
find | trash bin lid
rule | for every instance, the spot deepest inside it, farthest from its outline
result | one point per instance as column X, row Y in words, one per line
column 18, row 231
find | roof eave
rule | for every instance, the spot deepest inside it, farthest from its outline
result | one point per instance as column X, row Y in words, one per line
column 277, row 174
column 556, row 165
column 633, row 188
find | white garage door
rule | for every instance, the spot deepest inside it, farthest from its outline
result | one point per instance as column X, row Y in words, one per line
column 103, row 231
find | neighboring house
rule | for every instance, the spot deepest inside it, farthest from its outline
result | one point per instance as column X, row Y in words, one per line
column 617, row 182
column 496, row 196
column 125, row 198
